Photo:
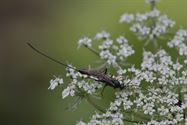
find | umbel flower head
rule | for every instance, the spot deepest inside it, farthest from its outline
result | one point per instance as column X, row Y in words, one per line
column 149, row 26
column 154, row 92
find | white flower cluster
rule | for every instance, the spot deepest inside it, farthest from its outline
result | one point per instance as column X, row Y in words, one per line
column 108, row 56
column 55, row 82
column 102, row 35
column 160, row 68
column 109, row 50
column 179, row 42
column 85, row 41
column 122, row 99
column 159, row 62
column 124, row 49
column 70, row 90
column 120, row 48
column 126, row 18
column 160, row 24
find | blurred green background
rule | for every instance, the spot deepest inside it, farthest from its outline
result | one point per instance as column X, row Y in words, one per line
column 55, row 26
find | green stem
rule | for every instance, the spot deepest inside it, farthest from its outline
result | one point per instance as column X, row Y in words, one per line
column 93, row 50
column 153, row 5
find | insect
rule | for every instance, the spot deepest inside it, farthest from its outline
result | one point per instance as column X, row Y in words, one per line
column 96, row 75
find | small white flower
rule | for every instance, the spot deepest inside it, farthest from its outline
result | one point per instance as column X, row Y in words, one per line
column 111, row 59
column 121, row 40
column 85, row 41
column 125, row 51
column 153, row 13
column 127, row 104
column 165, row 21
column 158, row 30
column 163, row 110
column 115, row 105
column 149, row 108
column 69, row 91
column 106, row 44
column 102, row 35
column 177, row 66
column 182, row 33
column 141, row 17
column 138, row 28
column 126, row 18
column 55, row 82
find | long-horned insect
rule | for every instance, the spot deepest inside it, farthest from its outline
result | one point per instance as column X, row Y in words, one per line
column 96, row 75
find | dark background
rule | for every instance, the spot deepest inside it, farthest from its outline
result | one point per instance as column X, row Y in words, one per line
column 55, row 27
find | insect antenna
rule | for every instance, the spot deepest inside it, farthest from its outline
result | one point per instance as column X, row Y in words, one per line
column 45, row 55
